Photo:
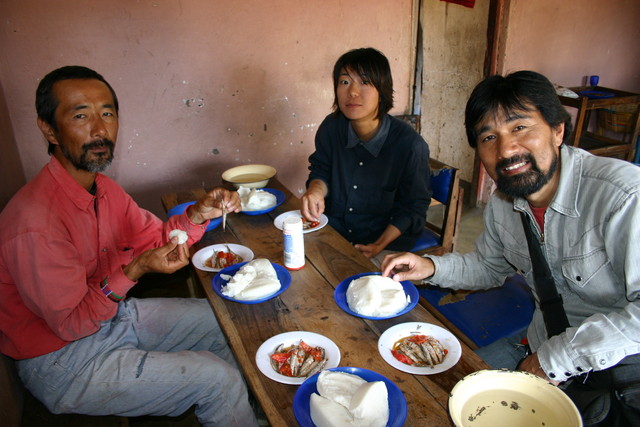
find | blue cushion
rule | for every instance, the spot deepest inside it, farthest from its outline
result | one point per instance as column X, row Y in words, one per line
column 485, row 316
column 427, row 239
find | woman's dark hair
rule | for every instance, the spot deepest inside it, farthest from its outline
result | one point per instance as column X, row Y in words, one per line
column 522, row 90
column 371, row 64
column 46, row 102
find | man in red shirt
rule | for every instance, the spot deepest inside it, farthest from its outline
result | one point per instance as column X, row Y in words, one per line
column 72, row 244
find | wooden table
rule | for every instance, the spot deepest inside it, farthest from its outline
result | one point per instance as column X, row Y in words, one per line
column 308, row 305
column 593, row 142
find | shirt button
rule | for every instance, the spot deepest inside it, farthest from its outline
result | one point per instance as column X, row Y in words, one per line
column 355, row 187
column 104, row 249
column 578, row 278
column 578, row 368
column 567, row 374
column 602, row 361
column 361, row 163
column 350, row 209
column 552, row 375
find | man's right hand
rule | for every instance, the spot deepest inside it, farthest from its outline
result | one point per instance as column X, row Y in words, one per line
column 407, row 266
column 165, row 259
column 312, row 202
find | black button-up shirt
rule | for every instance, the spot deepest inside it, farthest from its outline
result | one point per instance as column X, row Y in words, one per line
column 375, row 183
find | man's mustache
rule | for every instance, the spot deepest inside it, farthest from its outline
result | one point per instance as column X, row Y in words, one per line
column 103, row 142
column 515, row 159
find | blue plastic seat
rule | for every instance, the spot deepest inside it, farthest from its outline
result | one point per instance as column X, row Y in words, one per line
column 485, row 316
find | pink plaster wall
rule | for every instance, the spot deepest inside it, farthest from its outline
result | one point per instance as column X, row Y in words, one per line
column 567, row 40
column 203, row 84
column 11, row 169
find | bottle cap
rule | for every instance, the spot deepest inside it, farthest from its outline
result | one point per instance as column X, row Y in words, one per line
column 292, row 223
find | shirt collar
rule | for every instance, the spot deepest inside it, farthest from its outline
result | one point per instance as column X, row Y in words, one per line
column 74, row 191
column 374, row 145
column 566, row 198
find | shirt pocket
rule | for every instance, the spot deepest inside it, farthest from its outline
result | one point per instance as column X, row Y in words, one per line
column 592, row 277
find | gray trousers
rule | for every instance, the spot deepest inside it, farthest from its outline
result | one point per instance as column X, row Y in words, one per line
column 157, row 356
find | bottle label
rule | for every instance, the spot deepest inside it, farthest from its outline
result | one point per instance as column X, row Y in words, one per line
column 293, row 251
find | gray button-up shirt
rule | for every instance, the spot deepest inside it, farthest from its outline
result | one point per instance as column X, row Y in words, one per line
column 592, row 245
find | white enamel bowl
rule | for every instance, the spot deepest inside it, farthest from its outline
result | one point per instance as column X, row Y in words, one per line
column 252, row 176
column 495, row 398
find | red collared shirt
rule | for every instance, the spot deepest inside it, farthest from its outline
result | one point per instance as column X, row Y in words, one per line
column 57, row 243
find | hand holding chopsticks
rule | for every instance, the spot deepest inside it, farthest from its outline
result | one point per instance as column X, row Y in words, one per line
column 217, row 202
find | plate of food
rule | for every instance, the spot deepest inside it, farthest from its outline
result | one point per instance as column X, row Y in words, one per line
column 368, row 403
column 178, row 209
column 251, row 282
column 365, row 297
column 419, row 348
column 316, row 352
column 307, row 226
column 216, row 257
column 258, row 201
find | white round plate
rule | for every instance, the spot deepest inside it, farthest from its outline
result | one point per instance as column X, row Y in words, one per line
column 280, row 219
column 198, row 259
column 401, row 330
column 263, row 355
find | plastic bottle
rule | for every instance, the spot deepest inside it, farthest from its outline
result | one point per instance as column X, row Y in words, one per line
column 293, row 243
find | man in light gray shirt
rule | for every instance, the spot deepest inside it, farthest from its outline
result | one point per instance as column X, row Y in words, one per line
column 586, row 214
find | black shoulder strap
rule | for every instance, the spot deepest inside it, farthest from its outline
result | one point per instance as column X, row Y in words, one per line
column 555, row 318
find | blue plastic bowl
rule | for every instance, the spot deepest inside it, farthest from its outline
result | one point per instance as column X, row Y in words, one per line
column 176, row 210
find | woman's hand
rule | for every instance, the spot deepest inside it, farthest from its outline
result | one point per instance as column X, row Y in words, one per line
column 369, row 250
column 389, row 234
column 312, row 201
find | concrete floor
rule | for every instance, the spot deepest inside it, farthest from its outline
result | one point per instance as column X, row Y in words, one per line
column 471, row 226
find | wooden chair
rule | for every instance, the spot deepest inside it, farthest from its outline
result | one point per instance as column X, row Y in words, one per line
column 441, row 235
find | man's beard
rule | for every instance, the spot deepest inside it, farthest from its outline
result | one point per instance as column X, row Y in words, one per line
column 527, row 183
column 99, row 163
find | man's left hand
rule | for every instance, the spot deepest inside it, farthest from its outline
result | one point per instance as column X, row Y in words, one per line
column 165, row 259
column 531, row 364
